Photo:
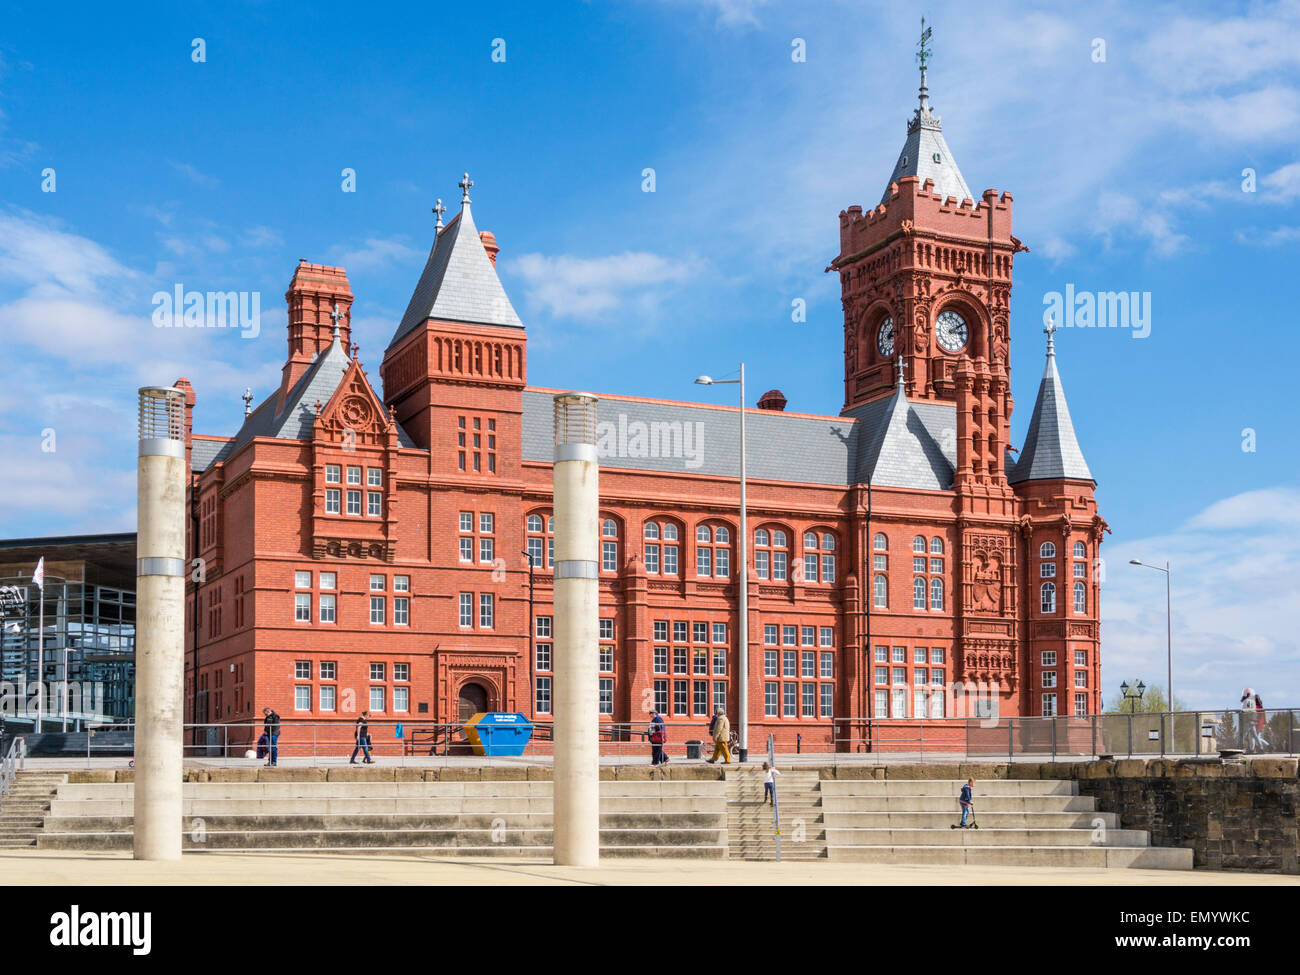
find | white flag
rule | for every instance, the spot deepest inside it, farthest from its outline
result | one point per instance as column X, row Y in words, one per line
column 38, row 576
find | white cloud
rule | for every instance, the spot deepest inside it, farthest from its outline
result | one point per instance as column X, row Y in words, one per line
column 374, row 253
column 1283, row 185
column 593, row 287
column 1235, row 570
column 728, row 13
column 194, row 175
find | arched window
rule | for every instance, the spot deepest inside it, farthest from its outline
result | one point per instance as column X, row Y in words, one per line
column 936, row 546
column 918, row 544
column 609, row 545
column 1080, row 550
column 1080, row 598
column 881, row 543
column 771, row 554
column 881, row 593
column 1048, row 591
column 661, row 559
column 713, row 551
column 540, row 540
column 819, row 557
column 936, row 594
column 918, row 593
column 1047, row 551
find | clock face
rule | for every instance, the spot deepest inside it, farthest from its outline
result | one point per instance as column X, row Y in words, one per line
column 951, row 331
column 885, row 338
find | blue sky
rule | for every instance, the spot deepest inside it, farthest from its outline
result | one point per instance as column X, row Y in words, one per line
column 1127, row 175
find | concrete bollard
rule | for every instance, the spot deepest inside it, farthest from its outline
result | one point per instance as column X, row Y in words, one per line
column 576, row 633
column 160, row 623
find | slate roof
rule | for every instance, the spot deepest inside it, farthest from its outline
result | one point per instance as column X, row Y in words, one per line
column 925, row 155
column 459, row 282
column 687, row 438
column 294, row 422
column 1051, row 449
column 911, row 445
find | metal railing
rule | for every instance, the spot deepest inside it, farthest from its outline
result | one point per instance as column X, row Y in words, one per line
column 11, row 764
column 1178, row 734
column 1186, row 734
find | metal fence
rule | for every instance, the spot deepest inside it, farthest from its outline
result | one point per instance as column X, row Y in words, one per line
column 1187, row 734
column 1181, row 734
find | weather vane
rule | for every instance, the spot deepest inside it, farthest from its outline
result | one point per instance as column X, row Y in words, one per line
column 924, row 52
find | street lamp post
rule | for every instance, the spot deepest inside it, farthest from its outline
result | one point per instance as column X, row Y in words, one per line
column 532, row 655
column 742, row 696
column 1169, row 627
column 1133, row 698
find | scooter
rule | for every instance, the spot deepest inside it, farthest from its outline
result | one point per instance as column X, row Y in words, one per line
column 971, row 825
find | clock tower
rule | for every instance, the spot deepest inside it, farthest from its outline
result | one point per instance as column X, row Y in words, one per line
column 925, row 275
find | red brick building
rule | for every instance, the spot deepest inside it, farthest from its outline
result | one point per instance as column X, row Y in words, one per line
column 364, row 544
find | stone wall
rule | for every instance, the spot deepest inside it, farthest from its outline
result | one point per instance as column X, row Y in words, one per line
column 1234, row 816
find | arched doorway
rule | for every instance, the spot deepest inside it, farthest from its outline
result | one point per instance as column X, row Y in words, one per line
column 473, row 699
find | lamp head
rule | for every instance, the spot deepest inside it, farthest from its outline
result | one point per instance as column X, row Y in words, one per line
column 1124, row 688
column 704, row 381
column 1134, row 562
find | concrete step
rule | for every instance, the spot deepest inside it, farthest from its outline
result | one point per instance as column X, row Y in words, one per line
column 446, row 839
column 985, row 837
column 649, row 789
column 943, row 787
column 1149, row 858
column 991, row 820
column 449, row 806
column 253, row 820
column 990, row 804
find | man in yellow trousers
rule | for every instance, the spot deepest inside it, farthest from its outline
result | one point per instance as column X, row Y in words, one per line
column 720, row 729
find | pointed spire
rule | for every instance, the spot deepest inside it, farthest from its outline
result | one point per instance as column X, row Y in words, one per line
column 1051, row 449
column 336, row 316
column 922, row 56
column 464, row 184
column 925, row 154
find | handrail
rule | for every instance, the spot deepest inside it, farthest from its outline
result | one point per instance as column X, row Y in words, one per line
column 14, row 761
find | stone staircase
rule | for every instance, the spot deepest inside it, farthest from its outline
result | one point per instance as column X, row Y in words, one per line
column 1030, row 822
column 648, row 818
column 750, row 829
column 24, row 808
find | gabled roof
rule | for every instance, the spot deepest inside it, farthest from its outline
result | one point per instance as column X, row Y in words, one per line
column 904, row 450
column 925, row 155
column 459, row 282
column 294, row 422
column 1051, row 448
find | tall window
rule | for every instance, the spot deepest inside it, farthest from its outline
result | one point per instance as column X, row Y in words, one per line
column 486, row 610
column 467, row 609
column 819, row 557
column 476, row 444
column 609, row 545
column 1048, row 594
column 881, row 587
column 771, row 554
column 936, row 593
column 1080, row 598
column 918, row 593
column 543, row 695
column 540, row 541
column 713, row 551
column 661, row 547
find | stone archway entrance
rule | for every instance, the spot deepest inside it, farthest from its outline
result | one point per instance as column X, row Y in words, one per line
column 473, row 699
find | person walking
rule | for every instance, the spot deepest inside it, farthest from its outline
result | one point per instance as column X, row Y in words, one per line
column 967, row 801
column 1250, row 738
column 1261, row 724
column 658, row 738
column 769, row 782
column 361, row 735
column 271, row 728
column 720, row 732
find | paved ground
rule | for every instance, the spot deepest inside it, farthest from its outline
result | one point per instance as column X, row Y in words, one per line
column 31, row 867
